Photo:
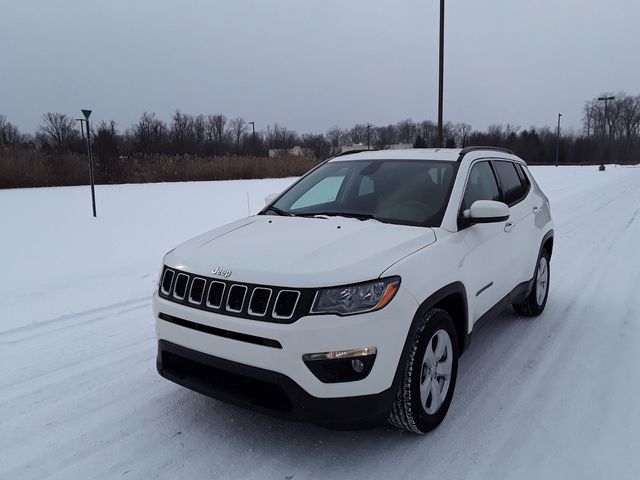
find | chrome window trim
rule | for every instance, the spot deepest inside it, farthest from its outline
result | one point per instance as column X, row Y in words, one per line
column 193, row 280
column 293, row 310
column 229, row 296
column 266, row 309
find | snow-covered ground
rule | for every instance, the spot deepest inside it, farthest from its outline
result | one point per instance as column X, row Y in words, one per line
column 554, row 397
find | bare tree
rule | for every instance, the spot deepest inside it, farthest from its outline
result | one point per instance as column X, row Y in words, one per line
column 9, row 135
column 106, row 140
column 407, row 131
column 630, row 117
column 358, row 134
column 199, row 130
column 149, row 133
column 429, row 133
column 335, row 137
column 59, row 130
column 462, row 131
column 181, row 131
column 237, row 127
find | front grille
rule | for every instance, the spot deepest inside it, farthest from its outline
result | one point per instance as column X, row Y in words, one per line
column 256, row 302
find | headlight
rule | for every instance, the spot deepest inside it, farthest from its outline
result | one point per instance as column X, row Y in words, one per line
column 358, row 298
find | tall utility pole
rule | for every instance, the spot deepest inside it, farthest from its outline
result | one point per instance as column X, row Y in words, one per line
column 606, row 101
column 558, row 140
column 441, row 85
column 369, row 136
column 253, row 137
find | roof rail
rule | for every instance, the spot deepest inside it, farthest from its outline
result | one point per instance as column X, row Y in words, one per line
column 466, row 150
column 349, row 152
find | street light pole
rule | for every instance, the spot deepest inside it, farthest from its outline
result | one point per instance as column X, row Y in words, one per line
column 558, row 140
column 441, row 80
column 253, row 137
column 86, row 114
column 606, row 100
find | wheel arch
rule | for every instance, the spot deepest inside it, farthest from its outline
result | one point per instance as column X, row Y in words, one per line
column 453, row 299
column 547, row 243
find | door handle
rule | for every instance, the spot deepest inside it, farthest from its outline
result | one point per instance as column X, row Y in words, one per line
column 508, row 227
column 537, row 210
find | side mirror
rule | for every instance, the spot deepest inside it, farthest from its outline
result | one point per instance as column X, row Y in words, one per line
column 486, row 211
column 270, row 198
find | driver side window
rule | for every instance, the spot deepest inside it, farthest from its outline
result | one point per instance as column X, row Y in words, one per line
column 481, row 185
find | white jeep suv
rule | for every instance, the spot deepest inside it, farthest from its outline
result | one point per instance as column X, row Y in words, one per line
column 348, row 300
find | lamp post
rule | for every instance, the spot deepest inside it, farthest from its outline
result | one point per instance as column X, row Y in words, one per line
column 253, row 137
column 441, row 80
column 369, row 136
column 558, row 140
column 83, row 121
column 606, row 99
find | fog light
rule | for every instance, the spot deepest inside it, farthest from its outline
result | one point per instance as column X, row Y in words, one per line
column 357, row 365
column 342, row 365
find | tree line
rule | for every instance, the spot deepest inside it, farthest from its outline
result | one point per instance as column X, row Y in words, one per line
column 610, row 133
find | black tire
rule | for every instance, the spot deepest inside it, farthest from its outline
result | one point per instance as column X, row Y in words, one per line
column 530, row 307
column 408, row 413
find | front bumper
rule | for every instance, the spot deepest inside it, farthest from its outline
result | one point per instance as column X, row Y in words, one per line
column 267, row 391
column 385, row 329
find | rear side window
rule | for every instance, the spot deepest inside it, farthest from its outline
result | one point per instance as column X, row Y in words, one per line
column 526, row 183
column 510, row 182
column 481, row 185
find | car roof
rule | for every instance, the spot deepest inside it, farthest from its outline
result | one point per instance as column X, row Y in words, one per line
column 446, row 154
column 438, row 154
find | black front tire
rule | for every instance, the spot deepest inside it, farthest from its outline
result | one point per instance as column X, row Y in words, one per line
column 408, row 413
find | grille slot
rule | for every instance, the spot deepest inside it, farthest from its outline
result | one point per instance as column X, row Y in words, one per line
column 167, row 280
column 197, row 290
column 216, row 292
column 286, row 303
column 259, row 302
column 180, row 288
column 235, row 300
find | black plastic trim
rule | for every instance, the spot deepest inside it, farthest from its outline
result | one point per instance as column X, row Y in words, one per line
column 220, row 332
column 467, row 150
column 245, row 385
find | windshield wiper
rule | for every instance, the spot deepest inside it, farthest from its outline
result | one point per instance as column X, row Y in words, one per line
column 359, row 216
column 279, row 211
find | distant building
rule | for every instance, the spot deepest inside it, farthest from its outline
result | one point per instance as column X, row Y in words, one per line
column 296, row 151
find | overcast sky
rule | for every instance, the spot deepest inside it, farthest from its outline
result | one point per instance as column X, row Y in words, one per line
column 312, row 64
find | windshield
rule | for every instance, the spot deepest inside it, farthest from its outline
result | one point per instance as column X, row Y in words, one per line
column 407, row 192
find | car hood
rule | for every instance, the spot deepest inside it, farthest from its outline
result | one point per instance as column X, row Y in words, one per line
column 299, row 252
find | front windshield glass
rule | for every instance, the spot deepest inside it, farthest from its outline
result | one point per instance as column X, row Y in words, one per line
column 408, row 192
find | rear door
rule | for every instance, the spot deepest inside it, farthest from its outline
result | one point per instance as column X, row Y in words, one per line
column 521, row 237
